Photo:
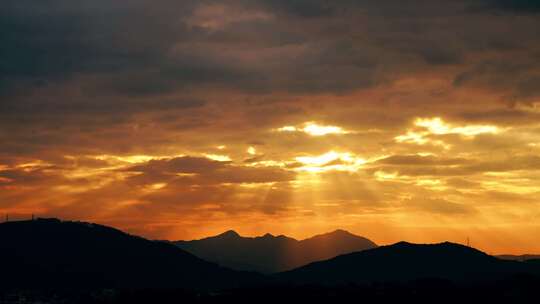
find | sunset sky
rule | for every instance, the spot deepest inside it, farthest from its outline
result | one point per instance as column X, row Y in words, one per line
column 396, row 120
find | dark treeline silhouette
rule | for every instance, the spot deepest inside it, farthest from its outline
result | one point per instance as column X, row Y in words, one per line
column 51, row 261
column 269, row 254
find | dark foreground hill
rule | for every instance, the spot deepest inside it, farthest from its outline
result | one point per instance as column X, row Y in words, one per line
column 71, row 262
column 405, row 262
column 53, row 253
column 270, row 254
column 523, row 257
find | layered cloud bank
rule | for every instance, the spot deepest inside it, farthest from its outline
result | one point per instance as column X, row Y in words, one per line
column 179, row 119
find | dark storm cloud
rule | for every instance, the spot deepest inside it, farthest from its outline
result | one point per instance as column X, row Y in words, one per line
column 307, row 8
column 44, row 43
column 132, row 40
column 389, row 8
column 54, row 104
column 88, row 65
column 135, row 48
column 71, row 70
column 50, row 41
column 510, row 6
column 518, row 78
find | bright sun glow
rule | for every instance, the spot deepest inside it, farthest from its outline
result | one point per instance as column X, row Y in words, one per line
column 157, row 186
column 314, row 129
column 437, row 126
column 330, row 161
column 287, row 129
column 217, row 157
column 132, row 159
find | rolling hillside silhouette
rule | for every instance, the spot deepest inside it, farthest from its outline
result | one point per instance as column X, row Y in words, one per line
column 523, row 257
column 48, row 260
column 270, row 254
column 53, row 253
column 408, row 262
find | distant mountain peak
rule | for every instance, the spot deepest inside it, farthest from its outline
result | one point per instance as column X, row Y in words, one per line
column 340, row 232
column 403, row 244
column 271, row 253
column 229, row 234
column 336, row 234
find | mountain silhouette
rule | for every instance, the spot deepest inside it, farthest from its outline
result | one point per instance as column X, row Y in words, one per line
column 407, row 262
column 53, row 253
column 269, row 253
column 523, row 257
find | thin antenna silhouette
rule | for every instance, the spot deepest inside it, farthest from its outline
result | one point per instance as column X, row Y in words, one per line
column 33, row 217
column 468, row 242
column 7, row 217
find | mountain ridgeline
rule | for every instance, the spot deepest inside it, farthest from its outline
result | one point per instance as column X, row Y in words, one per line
column 49, row 253
column 271, row 254
column 52, row 253
column 406, row 262
column 523, row 257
